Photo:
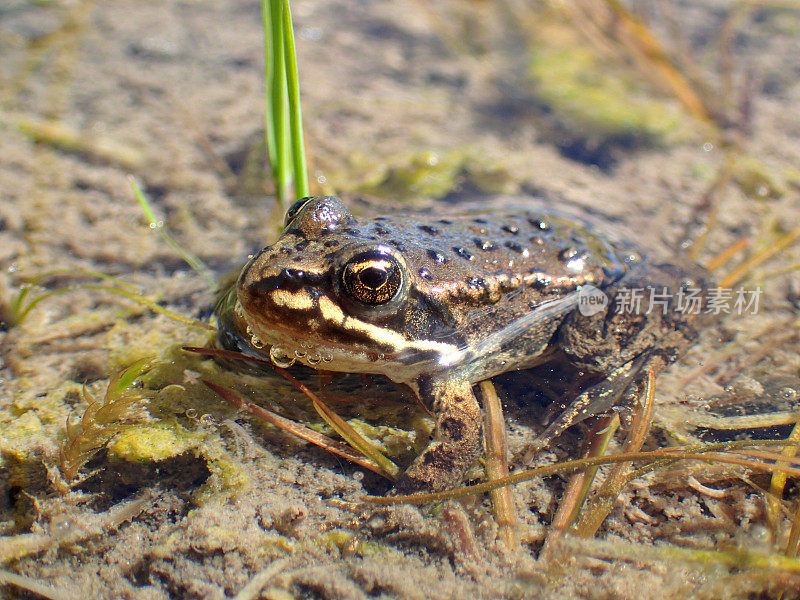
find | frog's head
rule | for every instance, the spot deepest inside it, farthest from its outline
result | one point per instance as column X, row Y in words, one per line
column 333, row 296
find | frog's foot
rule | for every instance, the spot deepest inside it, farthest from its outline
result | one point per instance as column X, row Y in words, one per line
column 456, row 442
column 598, row 399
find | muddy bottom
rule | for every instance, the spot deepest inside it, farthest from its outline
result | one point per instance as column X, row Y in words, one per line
column 406, row 105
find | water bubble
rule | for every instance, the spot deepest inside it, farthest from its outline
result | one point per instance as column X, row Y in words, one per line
column 313, row 359
column 280, row 357
column 788, row 393
column 191, row 413
column 299, row 353
column 63, row 526
column 256, row 342
column 327, row 357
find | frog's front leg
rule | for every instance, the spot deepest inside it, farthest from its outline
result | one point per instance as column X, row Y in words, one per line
column 456, row 442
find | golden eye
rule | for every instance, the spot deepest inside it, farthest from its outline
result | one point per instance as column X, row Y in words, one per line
column 372, row 277
column 294, row 209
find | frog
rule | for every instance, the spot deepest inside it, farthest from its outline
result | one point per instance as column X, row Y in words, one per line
column 439, row 303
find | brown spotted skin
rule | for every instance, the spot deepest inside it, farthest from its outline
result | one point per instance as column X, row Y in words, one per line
column 440, row 303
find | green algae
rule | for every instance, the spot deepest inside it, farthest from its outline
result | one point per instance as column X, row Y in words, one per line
column 349, row 543
column 756, row 180
column 424, row 174
column 593, row 101
column 428, row 174
column 153, row 442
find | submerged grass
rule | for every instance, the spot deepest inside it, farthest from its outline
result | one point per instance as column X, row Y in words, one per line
column 770, row 462
column 26, row 299
column 156, row 224
column 102, row 419
column 368, row 455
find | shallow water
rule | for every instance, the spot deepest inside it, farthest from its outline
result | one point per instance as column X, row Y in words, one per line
column 405, row 104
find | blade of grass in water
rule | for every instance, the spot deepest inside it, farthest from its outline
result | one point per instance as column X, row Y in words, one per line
column 295, row 115
column 278, row 117
column 191, row 259
column 283, row 126
column 269, row 44
column 571, row 466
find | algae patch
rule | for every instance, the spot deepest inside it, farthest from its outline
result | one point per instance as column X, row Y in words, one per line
column 157, row 441
column 424, row 174
column 594, row 103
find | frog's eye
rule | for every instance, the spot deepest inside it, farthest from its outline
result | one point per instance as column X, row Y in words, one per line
column 294, row 209
column 372, row 277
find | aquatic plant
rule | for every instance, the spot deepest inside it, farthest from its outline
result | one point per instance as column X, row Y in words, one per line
column 283, row 118
column 102, row 419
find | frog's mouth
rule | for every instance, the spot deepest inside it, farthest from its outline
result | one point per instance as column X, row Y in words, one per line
column 308, row 326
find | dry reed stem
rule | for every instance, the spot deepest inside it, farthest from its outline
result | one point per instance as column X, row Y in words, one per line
column 602, row 501
column 578, row 487
column 747, row 267
column 727, row 254
column 289, row 426
column 778, row 483
column 505, row 510
column 570, row 466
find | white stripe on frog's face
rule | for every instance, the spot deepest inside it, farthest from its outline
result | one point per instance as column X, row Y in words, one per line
column 300, row 300
column 386, row 341
column 369, row 348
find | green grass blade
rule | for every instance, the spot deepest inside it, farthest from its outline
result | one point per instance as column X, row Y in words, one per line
column 120, row 382
column 344, row 429
column 295, row 115
column 155, row 307
column 280, row 114
column 191, row 259
column 269, row 129
column 23, row 312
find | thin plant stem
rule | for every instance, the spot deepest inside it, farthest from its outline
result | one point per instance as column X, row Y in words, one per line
column 283, row 129
column 277, row 110
column 747, row 267
column 604, row 499
column 295, row 114
column 571, row 466
column 296, row 429
column 344, row 429
column 156, row 224
column 723, row 257
column 778, row 483
column 495, row 439
column 387, row 468
column 269, row 49
column 581, row 482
